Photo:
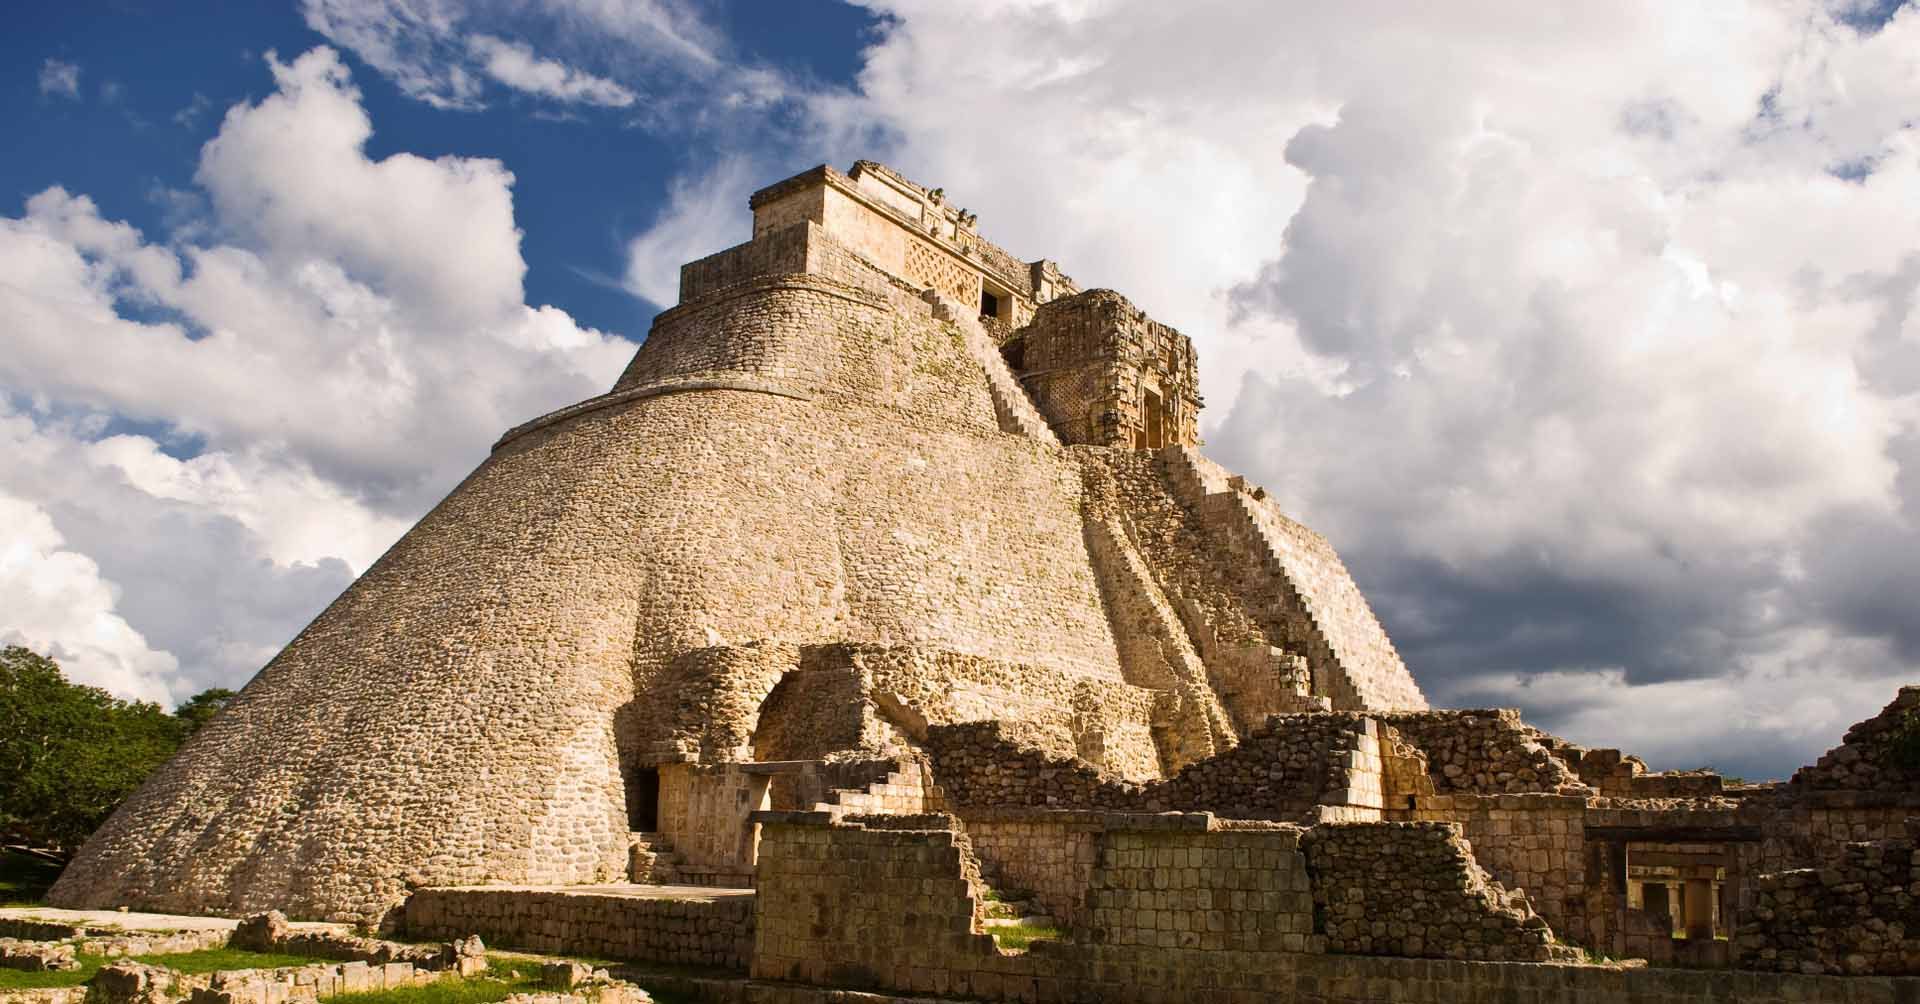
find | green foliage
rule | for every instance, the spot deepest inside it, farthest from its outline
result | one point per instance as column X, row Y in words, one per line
column 25, row 878
column 500, row 983
column 70, row 754
column 199, row 709
column 1903, row 741
column 1017, row 937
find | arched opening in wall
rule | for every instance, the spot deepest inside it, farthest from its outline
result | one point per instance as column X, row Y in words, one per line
column 643, row 801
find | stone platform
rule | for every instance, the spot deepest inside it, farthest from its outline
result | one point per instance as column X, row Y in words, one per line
column 677, row 924
column 104, row 921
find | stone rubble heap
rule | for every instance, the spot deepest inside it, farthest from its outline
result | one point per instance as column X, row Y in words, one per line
column 36, row 956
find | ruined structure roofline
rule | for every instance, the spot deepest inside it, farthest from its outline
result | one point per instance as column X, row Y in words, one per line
column 822, row 174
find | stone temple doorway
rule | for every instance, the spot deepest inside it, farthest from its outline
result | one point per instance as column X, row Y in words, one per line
column 643, row 803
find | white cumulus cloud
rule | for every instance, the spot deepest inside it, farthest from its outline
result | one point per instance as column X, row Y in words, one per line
column 229, row 429
column 57, row 603
column 515, row 65
column 1586, row 332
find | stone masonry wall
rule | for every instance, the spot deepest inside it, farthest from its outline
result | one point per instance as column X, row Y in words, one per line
column 1177, row 976
column 820, row 922
column 1284, row 771
column 1050, row 854
column 1234, row 890
column 1535, row 843
column 1484, row 752
column 540, row 603
column 1857, row 914
column 694, row 930
column 1413, row 889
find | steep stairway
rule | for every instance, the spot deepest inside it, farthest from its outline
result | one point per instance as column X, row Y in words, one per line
column 1011, row 403
column 1313, row 601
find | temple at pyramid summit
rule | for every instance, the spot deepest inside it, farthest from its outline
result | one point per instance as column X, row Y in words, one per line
column 891, row 577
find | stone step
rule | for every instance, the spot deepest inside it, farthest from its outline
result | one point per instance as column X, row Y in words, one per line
column 651, row 860
column 1032, row 919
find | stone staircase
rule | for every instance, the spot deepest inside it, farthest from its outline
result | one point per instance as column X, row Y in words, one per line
column 905, row 790
column 1011, row 403
column 1337, row 633
column 1013, row 912
column 651, row 860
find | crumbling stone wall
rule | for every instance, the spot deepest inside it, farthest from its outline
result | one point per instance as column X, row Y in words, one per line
column 1858, row 914
column 1484, row 752
column 1535, row 843
column 1413, row 889
column 1285, row 771
column 1879, row 754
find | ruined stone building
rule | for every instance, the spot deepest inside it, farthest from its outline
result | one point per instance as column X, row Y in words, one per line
column 889, row 543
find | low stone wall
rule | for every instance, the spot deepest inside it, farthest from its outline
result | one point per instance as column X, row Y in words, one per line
column 715, row 931
column 36, row 956
column 38, row 930
column 115, row 946
column 1283, row 771
column 139, row 983
column 870, row 913
column 1413, row 889
column 853, row 906
column 45, row 995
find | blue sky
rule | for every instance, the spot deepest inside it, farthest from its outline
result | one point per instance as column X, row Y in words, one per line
column 155, row 79
column 1588, row 333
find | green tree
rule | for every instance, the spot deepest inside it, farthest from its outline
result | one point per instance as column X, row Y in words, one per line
column 199, row 709
column 70, row 754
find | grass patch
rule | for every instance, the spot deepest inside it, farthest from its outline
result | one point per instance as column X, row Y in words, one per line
column 1017, row 937
column 215, row 960
column 504, row 978
column 207, row 960
column 16, row 979
column 25, row 879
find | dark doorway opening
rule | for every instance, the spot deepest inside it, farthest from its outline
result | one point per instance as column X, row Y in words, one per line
column 643, row 807
column 989, row 304
column 1156, row 422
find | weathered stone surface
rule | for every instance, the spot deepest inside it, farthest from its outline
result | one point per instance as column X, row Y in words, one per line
column 822, row 445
